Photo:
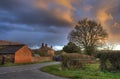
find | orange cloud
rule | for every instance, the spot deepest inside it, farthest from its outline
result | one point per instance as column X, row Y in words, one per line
column 60, row 8
column 103, row 16
column 103, row 11
column 65, row 3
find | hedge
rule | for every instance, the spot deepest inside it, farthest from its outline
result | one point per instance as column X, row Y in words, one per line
column 75, row 60
column 109, row 60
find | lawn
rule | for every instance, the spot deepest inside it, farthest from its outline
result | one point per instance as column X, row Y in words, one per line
column 89, row 72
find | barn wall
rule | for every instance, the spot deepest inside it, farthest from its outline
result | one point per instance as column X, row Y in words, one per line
column 23, row 55
column 8, row 58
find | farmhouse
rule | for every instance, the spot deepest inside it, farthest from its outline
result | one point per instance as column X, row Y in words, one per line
column 48, row 51
column 16, row 53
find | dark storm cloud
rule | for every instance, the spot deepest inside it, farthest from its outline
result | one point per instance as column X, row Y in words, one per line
column 27, row 13
column 23, row 21
column 36, row 21
column 7, row 27
column 42, row 17
column 35, row 38
column 9, row 4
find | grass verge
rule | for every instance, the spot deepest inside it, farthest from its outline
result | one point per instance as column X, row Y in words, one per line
column 13, row 64
column 90, row 72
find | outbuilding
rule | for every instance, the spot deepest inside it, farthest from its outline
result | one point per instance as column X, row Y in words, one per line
column 15, row 53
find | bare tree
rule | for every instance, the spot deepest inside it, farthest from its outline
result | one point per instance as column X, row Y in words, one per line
column 88, row 34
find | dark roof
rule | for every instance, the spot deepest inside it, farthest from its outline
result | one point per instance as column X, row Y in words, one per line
column 9, row 49
column 3, row 42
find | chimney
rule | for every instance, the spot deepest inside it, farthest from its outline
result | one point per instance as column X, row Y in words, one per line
column 42, row 44
column 45, row 45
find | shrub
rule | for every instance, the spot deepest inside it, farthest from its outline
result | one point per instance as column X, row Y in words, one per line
column 109, row 60
column 90, row 51
column 75, row 60
column 71, row 48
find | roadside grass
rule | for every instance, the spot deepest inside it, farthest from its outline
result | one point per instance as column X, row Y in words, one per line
column 19, row 64
column 89, row 72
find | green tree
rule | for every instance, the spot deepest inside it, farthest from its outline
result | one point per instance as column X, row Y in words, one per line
column 88, row 35
column 71, row 48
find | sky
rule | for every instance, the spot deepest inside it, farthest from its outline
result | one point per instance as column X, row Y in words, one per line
column 33, row 22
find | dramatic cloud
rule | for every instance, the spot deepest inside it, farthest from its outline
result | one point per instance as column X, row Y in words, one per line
column 105, row 12
column 55, row 13
column 35, row 21
column 28, row 22
column 108, row 15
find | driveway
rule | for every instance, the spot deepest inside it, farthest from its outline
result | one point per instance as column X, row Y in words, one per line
column 27, row 72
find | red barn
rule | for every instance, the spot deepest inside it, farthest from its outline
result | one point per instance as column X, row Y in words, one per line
column 15, row 53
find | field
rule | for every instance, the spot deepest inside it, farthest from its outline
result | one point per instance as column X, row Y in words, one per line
column 89, row 72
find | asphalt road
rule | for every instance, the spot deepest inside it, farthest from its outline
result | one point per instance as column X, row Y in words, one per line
column 27, row 72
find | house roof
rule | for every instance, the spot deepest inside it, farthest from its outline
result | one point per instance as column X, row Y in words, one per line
column 3, row 42
column 45, row 47
column 9, row 49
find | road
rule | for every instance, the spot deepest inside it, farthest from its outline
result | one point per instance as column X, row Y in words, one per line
column 27, row 72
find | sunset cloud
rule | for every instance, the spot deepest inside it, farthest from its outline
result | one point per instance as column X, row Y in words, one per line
column 35, row 21
column 106, row 15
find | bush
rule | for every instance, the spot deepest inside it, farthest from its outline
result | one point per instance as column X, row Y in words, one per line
column 71, row 48
column 109, row 60
column 75, row 60
column 90, row 51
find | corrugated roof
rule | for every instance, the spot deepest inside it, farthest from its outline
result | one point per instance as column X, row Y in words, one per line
column 9, row 49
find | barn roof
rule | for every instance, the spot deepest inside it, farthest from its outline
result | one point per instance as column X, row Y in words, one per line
column 9, row 49
column 3, row 42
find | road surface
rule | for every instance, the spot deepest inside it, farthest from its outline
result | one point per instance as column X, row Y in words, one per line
column 27, row 72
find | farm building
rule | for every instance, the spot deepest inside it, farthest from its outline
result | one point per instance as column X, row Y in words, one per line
column 18, row 53
column 45, row 50
column 3, row 42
